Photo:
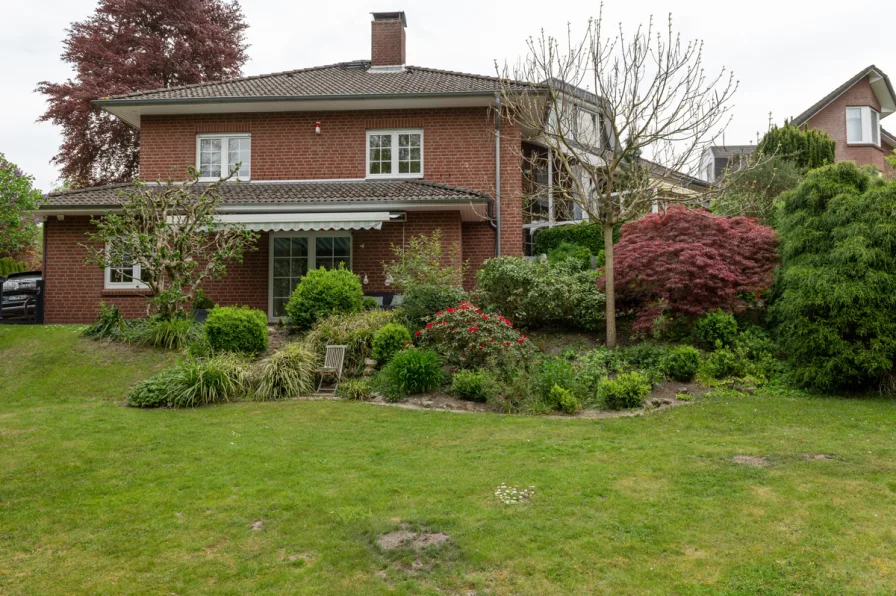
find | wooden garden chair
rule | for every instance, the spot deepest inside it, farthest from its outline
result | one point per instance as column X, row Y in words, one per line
column 332, row 368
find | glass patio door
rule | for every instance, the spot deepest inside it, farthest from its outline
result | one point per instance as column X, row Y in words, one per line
column 293, row 255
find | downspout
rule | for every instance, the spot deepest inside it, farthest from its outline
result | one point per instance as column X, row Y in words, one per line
column 498, row 173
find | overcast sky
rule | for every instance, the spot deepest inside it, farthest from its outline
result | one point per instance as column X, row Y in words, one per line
column 786, row 54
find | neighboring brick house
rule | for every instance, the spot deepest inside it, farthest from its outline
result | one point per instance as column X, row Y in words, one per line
column 338, row 163
column 851, row 115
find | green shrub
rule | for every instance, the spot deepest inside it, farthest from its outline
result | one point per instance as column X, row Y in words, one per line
column 369, row 303
column 555, row 372
column 716, row 327
column 8, row 266
column 682, row 363
column 388, row 341
column 109, row 323
column 625, row 391
column 354, row 330
column 564, row 400
column 322, row 293
column 592, row 367
column 355, row 390
column 421, row 301
column 834, row 299
column 287, row 373
column 579, row 255
column 807, row 149
column 587, row 234
column 723, row 363
column 170, row 334
column 155, row 391
column 218, row 379
column 474, row 385
column 237, row 329
column 533, row 294
column 411, row 371
column 202, row 302
column 646, row 357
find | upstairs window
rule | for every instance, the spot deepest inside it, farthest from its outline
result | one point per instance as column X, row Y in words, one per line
column 862, row 126
column 395, row 154
column 218, row 154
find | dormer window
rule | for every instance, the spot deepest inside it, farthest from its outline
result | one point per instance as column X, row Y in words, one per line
column 862, row 126
column 395, row 153
column 218, row 154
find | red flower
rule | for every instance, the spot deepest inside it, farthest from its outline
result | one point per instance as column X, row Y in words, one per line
column 485, row 317
column 429, row 325
column 419, row 333
column 438, row 313
column 481, row 345
column 506, row 343
column 452, row 310
column 523, row 336
column 521, row 341
column 492, row 340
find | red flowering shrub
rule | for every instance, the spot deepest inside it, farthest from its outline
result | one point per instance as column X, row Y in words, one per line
column 468, row 338
column 687, row 262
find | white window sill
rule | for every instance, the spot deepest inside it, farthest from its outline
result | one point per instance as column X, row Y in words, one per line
column 219, row 179
column 862, row 144
column 393, row 176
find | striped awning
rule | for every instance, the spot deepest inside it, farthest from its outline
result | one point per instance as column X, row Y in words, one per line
column 310, row 222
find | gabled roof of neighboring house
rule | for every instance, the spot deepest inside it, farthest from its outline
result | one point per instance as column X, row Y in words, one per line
column 341, row 79
column 728, row 151
column 888, row 136
column 827, row 99
column 291, row 193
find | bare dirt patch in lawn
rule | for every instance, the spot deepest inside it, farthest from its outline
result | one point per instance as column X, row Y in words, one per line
column 436, row 401
column 817, row 456
column 751, row 460
column 413, row 540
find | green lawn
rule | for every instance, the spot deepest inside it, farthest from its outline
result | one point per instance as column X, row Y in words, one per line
column 98, row 498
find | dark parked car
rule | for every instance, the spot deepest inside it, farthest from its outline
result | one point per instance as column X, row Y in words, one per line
column 20, row 296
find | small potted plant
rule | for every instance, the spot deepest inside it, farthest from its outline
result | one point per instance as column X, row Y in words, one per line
column 201, row 305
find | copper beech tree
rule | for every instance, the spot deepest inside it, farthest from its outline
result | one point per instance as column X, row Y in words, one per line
column 127, row 46
column 621, row 118
column 167, row 237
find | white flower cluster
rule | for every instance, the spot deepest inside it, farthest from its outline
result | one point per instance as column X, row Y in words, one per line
column 510, row 494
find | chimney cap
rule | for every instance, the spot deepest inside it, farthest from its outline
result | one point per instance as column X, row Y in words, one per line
column 390, row 16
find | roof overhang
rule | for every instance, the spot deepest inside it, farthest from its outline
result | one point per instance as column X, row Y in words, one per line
column 470, row 211
column 880, row 85
column 132, row 110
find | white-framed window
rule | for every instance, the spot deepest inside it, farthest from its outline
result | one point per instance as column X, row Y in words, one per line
column 217, row 154
column 395, row 153
column 123, row 275
column 862, row 125
column 293, row 254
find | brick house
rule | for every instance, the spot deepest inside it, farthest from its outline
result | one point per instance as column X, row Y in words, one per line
column 338, row 162
column 851, row 115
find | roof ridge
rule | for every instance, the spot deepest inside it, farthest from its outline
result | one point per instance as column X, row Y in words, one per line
column 136, row 94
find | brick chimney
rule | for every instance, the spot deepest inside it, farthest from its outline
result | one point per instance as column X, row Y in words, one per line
column 387, row 40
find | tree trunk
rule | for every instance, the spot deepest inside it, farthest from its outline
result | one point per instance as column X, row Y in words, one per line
column 610, row 284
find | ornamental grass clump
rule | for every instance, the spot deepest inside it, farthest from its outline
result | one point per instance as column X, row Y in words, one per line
column 287, row 373
column 353, row 330
column 221, row 378
column 466, row 337
column 411, row 371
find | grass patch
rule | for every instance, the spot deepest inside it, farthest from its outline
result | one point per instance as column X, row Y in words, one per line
column 292, row 496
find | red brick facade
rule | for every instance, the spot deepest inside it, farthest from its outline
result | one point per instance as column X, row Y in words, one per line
column 832, row 119
column 387, row 42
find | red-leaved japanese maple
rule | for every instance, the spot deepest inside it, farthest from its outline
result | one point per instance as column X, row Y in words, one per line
column 127, row 46
column 687, row 262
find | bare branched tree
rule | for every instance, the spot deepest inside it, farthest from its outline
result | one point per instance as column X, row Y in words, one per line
column 169, row 238
column 622, row 149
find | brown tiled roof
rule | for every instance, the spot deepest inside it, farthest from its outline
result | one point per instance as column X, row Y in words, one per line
column 287, row 193
column 342, row 79
column 817, row 107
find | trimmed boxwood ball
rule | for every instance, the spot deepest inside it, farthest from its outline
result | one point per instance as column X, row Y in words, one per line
column 324, row 292
column 682, row 363
column 625, row 391
column 237, row 329
column 388, row 341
